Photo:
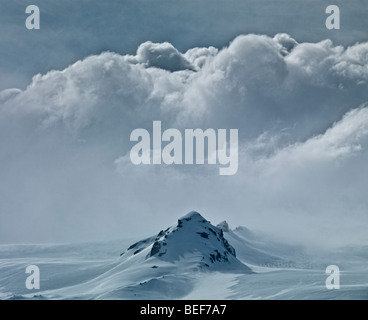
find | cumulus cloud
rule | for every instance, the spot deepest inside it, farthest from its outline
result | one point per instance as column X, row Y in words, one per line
column 8, row 94
column 161, row 55
column 199, row 56
column 286, row 43
column 299, row 107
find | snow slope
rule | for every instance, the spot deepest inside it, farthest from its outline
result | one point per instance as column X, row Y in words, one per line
column 258, row 250
column 192, row 259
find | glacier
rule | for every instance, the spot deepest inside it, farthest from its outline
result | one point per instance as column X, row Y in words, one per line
column 192, row 259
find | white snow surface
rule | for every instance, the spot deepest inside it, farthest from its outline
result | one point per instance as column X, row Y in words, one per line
column 192, row 259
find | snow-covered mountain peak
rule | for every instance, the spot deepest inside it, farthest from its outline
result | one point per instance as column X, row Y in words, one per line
column 193, row 238
column 224, row 226
column 194, row 216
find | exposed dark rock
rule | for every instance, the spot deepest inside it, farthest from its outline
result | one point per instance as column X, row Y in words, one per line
column 137, row 251
column 155, row 248
column 203, row 234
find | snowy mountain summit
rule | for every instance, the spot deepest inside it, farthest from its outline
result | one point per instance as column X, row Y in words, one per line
column 193, row 240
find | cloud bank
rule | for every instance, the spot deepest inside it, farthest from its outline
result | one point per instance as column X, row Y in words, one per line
column 301, row 113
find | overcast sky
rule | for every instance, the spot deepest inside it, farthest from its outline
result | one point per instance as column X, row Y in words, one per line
column 74, row 90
